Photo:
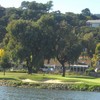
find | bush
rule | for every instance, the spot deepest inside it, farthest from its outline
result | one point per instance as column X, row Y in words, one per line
column 88, row 71
column 19, row 71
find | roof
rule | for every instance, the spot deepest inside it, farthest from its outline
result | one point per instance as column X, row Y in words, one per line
column 85, row 66
column 93, row 21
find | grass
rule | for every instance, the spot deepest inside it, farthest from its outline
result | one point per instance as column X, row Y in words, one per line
column 43, row 77
column 11, row 76
column 73, row 82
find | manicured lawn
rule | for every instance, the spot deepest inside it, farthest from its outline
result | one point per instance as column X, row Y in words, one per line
column 42, row 77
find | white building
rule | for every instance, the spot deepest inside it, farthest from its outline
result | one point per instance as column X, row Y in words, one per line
column 93, row 23
column 78, row 68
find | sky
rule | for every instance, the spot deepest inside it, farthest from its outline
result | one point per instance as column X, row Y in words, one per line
column 75, row 6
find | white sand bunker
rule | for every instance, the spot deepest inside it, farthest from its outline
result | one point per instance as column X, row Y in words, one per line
column 53, row 81
column 47, row 81
column 28, row 80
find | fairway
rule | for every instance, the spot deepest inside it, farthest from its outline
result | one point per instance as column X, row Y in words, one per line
column 45, row 77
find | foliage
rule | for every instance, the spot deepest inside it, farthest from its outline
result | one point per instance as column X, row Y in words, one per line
column 86, row 12
column 87, row 40
column 4, row 63
column 22, row 32
column 88, row 71
column 96, row 57
column 33, row 33
column 2, row 53
column 33, row 10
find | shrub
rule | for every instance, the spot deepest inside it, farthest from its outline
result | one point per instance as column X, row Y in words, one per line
column 19, row 71
column 89, row 70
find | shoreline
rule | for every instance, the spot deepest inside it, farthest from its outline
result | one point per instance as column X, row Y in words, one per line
column 51, row 86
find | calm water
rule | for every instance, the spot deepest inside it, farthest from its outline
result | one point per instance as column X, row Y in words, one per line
column 13, row 93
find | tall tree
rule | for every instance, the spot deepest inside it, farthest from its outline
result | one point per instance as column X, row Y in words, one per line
column 33, row 10
column 69, row 49
column 86, row 12
column 22, row 33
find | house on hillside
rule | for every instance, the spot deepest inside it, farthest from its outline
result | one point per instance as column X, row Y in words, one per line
column 93, row 23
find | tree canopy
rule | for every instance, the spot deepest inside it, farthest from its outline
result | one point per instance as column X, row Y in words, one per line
column 34, row 33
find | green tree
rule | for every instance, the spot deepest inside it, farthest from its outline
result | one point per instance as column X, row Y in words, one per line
column 46, row 25
column 22, row 33
column 68, row 50
column 33, row 10
column 2, row 11
column 89, row 43
column 86, row 12
column 96, row 56
column 2, row 33
column 58, row 39
column 5, row 63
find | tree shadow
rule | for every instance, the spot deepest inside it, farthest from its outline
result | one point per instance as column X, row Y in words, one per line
column 84, row 77
column 8, row 79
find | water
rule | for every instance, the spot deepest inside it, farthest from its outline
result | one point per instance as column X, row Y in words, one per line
column 14, row 93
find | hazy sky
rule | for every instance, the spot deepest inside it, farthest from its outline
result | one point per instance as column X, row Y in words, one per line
column 63, row 5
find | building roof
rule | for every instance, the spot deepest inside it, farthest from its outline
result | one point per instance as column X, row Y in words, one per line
column 85, row 66
column 93, row 21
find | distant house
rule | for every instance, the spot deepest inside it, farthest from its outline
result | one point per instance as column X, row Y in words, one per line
column 93, row 23
column 78, row 68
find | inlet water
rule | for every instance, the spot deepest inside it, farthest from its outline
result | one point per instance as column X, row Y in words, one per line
column 15, row 93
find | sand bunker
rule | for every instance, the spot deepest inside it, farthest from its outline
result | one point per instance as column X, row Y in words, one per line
column 47, row 81
column 28, row 80
column 53, row 81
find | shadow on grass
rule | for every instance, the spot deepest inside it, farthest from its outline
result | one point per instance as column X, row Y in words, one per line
column 8, row 79
column 84, row 77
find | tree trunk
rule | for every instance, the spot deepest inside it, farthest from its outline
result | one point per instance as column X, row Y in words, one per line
column 29, row 67
column 63, row 70
column 48, row 61
column 69, row 66
column 4, row 71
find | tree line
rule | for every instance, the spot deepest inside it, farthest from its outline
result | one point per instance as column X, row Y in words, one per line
column 34, row 33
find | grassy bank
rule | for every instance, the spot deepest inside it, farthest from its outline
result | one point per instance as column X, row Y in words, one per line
column 70, row 82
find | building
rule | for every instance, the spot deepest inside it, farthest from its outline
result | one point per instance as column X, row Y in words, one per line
column 93, row 23
column 78, row 68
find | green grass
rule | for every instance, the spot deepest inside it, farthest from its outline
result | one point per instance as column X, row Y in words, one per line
column 42, row 77
column 11, row 76
column 73, row 82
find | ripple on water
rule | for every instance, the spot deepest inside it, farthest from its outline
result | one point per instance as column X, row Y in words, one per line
column 15, row 93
